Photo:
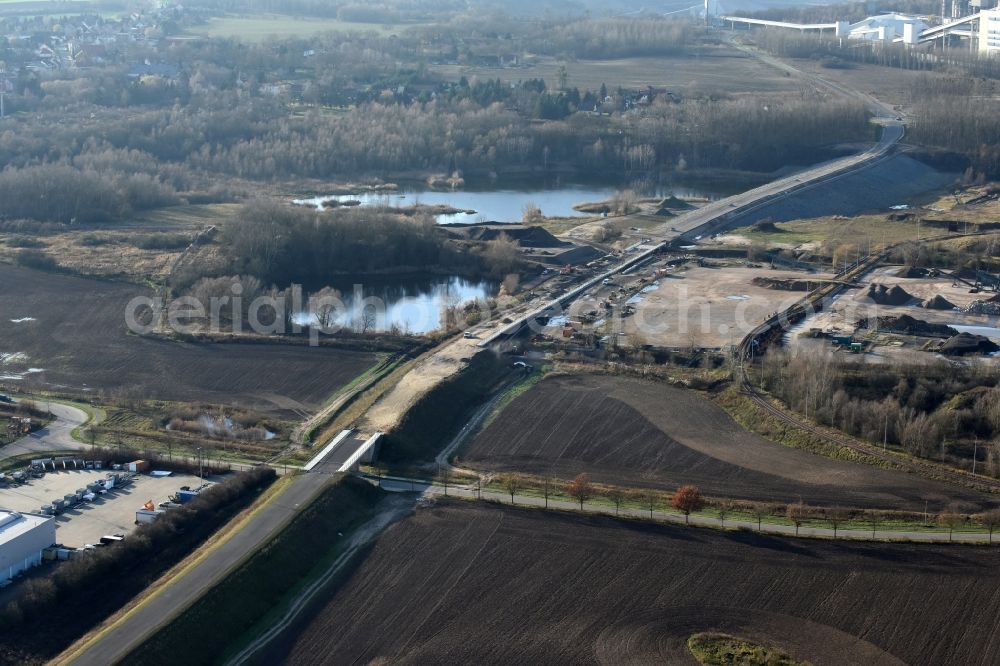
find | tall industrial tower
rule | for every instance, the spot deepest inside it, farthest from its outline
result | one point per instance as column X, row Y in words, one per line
column 711, row 9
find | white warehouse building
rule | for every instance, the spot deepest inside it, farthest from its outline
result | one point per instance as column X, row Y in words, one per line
column 886, row 27
column 989, row 31
column 23, row 537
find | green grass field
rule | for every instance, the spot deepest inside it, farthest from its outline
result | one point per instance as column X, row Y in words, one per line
column 259, row 27
column 196, row 214
column 851, row 230
column 708, row 68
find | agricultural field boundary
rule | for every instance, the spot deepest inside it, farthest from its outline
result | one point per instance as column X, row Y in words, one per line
column 360, row 538
column 916, row 533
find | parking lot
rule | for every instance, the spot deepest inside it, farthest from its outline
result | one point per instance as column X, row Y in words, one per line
column 112, row 513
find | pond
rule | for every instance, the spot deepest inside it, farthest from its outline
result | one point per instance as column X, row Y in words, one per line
column 410, row 304
column 990, row 332
column 499, row 205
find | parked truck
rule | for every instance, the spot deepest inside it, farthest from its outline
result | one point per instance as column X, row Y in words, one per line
column 147, row 515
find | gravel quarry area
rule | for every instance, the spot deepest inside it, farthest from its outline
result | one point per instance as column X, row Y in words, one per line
column 853, row 305
column 710, row 307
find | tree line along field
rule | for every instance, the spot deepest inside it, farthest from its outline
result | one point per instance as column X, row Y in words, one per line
column 633, row 432
column 77, row 335
column 475, row 583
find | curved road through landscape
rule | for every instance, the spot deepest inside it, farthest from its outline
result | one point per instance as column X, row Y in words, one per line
column 111, row 646
column 57, row 436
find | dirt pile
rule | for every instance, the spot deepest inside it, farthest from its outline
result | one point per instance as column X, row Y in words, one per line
column 672, row 204
column 907, row 325
column 914, row 272
column 967, row 343
column 524, row 236
column 766, row 226
column 787, row 284
column 894, row 295
column 939, row 302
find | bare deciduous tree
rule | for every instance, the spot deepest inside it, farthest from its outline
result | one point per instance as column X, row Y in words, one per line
column 323, row 304
column 836, row 516
column 796, row 514
column 511, row 483
column 952, row 520
column 874, row 518
column 760, row 511
column 617, row 497
column 723, row 509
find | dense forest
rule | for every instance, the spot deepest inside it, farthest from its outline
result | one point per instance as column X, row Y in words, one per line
column 144, row 159
column 933, row 410
column 279, row 244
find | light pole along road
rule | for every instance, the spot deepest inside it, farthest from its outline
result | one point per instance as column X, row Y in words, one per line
column 114, row 643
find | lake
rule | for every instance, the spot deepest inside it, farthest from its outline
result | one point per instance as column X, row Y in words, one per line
column 413, row 304
column 502, row 205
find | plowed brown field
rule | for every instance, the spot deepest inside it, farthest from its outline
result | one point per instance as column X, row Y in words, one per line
column 78, row 337
column 481, row 584
column 632, row 432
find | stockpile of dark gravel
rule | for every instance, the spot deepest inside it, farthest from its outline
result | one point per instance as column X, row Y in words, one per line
column 894, row 295
column 967, row 343
column 907, row 325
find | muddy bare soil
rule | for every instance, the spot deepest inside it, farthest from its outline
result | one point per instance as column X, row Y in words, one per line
column 628, row 431
column 77, row 335
column 485, row 584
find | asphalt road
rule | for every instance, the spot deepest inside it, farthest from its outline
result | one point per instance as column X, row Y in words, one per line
column 56, row 436
column 186, row 588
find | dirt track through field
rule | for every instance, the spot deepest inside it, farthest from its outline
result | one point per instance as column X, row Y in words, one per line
column 78, row 336
column 472, row 583
column 633, row 432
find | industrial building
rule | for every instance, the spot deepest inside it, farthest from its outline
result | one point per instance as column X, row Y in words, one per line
column 982, row 26
column 989, row 31
column 23, row 537
column 887, row 27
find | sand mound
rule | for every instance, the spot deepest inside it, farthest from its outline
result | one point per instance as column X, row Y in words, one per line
column 894, row 295
column 939, row 302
